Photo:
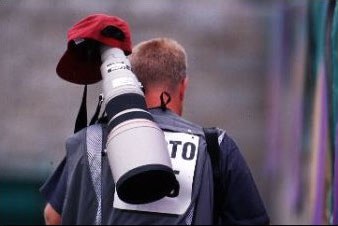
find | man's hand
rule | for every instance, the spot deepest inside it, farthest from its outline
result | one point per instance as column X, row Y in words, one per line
column 51, row 216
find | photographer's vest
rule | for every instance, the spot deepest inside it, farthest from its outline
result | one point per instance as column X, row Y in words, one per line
column 91, row 197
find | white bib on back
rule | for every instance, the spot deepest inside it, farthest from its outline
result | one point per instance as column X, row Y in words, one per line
column 183, row 150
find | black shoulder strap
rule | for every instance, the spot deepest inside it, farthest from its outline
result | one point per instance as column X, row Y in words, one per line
column 211, row 136
column 81, row 119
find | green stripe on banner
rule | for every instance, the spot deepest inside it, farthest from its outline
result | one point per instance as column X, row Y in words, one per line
column 334, row 87
column 318, row 76
column 318, row 12
column 334, row 106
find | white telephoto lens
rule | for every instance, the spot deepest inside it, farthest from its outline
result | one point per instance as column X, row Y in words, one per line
column 136, row 147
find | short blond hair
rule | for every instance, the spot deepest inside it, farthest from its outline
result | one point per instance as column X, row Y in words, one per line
column 160, row 61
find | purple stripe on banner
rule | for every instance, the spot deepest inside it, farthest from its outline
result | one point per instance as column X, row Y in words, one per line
column 274, row 92
column 296, row 107
column 295, row 146
column 320, row 194
column 335, row 188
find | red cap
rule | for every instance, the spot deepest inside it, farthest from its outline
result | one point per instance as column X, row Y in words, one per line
column 81, row 62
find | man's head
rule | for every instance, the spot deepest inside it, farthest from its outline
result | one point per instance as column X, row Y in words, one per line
column 160, row 64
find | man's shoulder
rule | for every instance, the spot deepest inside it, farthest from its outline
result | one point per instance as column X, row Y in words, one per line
column 227, row 146
column 168, row 120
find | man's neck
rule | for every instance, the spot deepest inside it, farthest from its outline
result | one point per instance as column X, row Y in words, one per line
column 153, row 100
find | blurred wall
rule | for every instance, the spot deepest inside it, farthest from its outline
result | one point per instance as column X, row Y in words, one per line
column 227, row 43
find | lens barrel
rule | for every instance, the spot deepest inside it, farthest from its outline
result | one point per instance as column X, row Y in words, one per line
column 136, row 147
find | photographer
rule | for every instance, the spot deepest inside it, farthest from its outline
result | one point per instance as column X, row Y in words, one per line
column 82, row 189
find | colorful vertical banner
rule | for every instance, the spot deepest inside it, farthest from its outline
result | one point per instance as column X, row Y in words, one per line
column 302, row 87
column 334, row 107
column 321, row 158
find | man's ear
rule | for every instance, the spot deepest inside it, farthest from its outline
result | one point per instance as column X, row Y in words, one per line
column 183, row 87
